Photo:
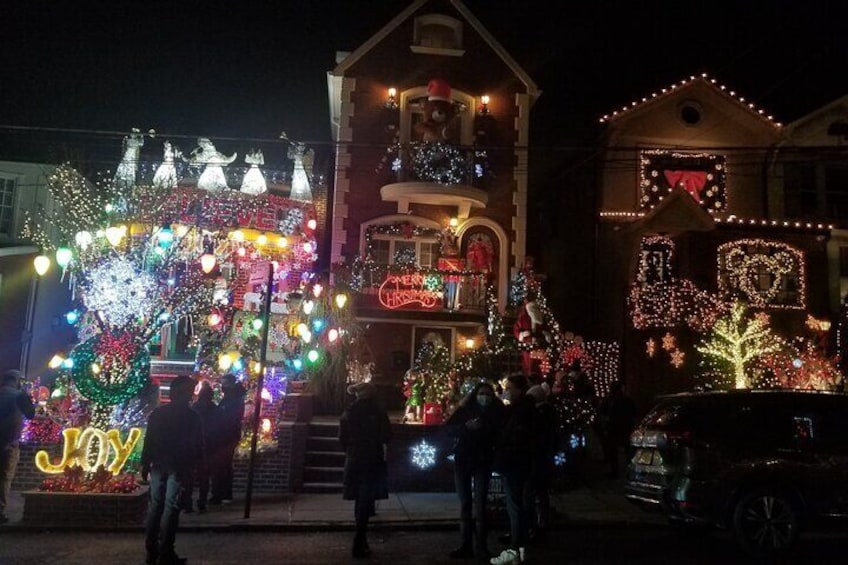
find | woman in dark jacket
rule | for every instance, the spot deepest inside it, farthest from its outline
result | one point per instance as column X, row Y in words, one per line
column 514, row 455
column 364, row 433
column 475, row 426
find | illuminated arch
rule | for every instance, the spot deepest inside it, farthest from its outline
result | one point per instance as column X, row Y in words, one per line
column 503, row 251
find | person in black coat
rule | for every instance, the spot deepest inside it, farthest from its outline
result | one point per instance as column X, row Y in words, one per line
column 229, row 435
column 364, row 433
column 514, row 455
column 15, row 406
column 537, row 490
column 210, row 415
column 173, row 447
column 475, row 426
column 618, row 417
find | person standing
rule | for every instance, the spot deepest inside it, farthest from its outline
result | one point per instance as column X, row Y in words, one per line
column 210, row 415
column 537, row 489
column 173, row 446
column 364, row 432
column 229, row 436
column 475, row 426
column 618, row 416
column 514, row 454
column 15, row 405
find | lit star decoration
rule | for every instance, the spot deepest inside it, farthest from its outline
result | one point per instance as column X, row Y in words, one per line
column 423, row 455
column 119, row 292
column 767, row 274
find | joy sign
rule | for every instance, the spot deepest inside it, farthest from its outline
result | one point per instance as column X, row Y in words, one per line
column 78, row 447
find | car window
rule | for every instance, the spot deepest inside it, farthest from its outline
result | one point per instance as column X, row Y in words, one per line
column 831, row 429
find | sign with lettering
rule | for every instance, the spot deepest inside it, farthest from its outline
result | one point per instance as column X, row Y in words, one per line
column 407, row 290
column 77, row 450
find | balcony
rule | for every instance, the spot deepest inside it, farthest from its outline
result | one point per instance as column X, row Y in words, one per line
column 388, row 288
column 437, row 173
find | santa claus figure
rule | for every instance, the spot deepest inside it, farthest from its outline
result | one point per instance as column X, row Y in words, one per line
column 439, row 113
column 529, row 331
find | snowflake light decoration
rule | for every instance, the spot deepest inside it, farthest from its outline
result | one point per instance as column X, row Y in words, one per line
column 119, row 292
column 559, row 459
column 423, row 455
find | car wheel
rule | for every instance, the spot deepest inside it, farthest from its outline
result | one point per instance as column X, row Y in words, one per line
column 766, row 522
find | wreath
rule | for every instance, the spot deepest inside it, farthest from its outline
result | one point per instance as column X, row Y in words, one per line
column 109, row 369
column 438, row 162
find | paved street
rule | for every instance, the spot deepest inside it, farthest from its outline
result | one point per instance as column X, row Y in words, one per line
column 649, row 545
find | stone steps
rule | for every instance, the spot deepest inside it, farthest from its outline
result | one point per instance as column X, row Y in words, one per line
column 324, row 458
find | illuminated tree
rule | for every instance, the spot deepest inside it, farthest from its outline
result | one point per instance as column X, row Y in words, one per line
column 737, row 339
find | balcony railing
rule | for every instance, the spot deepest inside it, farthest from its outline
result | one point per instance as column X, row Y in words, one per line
column 440, row 163
column 433, row 290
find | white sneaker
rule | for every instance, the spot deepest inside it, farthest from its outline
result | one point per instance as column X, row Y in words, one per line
column 507, row 557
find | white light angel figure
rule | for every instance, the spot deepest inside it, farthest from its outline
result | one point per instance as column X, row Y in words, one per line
column 125, row 174
column 166, row 173
column 254, row 182
column 212, row 178
column 303, row 158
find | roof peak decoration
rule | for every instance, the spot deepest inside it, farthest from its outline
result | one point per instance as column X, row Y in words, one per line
column 677, row 86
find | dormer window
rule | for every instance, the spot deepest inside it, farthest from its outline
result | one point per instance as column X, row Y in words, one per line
column 436, row 34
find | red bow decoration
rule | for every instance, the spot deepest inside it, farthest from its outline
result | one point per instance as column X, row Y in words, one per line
column 692, row 181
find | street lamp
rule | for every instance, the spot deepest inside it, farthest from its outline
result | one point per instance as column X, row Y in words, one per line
column 41, row 264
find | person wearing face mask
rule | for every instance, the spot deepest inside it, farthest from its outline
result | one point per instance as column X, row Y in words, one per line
column 475, row 426
column 514, row 453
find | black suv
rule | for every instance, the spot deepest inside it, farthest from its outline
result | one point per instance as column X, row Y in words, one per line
column 761, row 463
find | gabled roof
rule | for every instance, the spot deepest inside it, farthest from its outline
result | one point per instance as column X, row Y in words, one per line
column 824, row 110
column 687, row 83
column 348, row 61
column 675, row 214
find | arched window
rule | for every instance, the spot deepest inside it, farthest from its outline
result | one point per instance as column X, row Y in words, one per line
column 437, row 34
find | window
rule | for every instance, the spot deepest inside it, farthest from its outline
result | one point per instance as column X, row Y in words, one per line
column 7, row 206
column 387, row 251
column 799, row 181
column 836, row 191
column 701, row 175
column 843, row 261
column 437, row 34
column 690, row 113
column 767, row 274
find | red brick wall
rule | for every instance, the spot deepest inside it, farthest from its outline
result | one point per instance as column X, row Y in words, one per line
column 391, row 63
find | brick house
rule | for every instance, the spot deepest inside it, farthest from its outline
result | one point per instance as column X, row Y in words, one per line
column 433, row 210
column 691, row 210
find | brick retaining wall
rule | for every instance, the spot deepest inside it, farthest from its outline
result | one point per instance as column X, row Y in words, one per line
column 71, row 509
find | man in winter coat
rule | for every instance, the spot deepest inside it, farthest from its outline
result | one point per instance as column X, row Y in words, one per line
column 173, row 447
column 364, row 433
column 15, row 405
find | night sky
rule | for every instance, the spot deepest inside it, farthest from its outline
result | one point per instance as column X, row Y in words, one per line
column 251, row 70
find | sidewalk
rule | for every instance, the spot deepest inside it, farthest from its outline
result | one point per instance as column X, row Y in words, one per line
column 596, row 503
